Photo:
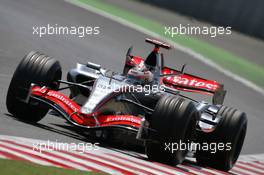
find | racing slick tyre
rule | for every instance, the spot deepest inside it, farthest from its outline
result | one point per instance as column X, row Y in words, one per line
column 230, row 134
column 35, row 68
column 174, row 120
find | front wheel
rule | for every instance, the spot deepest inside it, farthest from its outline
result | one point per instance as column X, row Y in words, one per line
column 174, row 120
column 34, row 68
column 228, row 136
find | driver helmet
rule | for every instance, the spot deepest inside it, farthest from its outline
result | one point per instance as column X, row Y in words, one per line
column 140, row 74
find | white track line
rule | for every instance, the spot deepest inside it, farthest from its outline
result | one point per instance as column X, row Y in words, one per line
column 5, row 75
column 29, row 158
column 237, row 170
column 146, row 163
column 191, row 170
column 119, row 160
column 116, row 159
column 251, row 168
column 74, row 158
column 186, row 50
column 46, row 156
column 70, row 157
column 2, row 156
column 258, row 166
column 105, row 161
column 116, row 165
column 31, row 141
column 207, row 170
column 91, row 164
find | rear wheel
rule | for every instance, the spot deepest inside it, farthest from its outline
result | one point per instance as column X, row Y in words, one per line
column 230, row 133
column 34, row 68
column 174, row 120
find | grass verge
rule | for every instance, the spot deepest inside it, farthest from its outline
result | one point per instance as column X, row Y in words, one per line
column 10, row 167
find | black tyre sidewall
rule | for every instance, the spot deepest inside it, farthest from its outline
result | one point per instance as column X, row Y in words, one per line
column 231, row 130
column 34, row 68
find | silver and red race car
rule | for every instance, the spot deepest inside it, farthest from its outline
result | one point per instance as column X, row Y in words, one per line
column 144, row 105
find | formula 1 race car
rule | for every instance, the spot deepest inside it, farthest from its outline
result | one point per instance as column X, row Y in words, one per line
column 145, row 102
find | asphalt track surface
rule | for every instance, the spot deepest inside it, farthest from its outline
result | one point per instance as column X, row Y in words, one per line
column 16, row 39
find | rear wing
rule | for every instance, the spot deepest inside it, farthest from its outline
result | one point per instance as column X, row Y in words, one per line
column 190, row 83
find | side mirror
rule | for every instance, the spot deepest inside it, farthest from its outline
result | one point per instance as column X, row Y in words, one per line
column 128, row 55
column 93, row 66
column 128, row 63
column 183, row 67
